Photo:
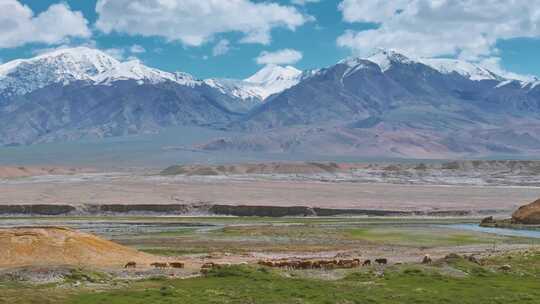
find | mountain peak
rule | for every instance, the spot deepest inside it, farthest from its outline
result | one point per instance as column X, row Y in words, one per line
column 384, row 58
column 79, row 52
column 272, row 73
column 66, row 65
column 469, row 70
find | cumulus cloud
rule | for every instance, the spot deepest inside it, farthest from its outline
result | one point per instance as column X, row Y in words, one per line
column 137, row 49
column 19, row 25
column 285, row 56
column 194, row 22
column 116, row 53
column 221, row 48
column 468, row 29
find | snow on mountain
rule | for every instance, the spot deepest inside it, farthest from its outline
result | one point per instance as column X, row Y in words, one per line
column 271, row 79
column 466, row 69
column 135, row 70
column 236, row 88
column 77, row 64
column 385, row 59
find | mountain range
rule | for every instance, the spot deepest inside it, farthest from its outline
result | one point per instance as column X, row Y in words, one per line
column 385, row 105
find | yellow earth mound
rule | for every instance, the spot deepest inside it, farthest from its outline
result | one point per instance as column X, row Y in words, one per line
column 528, row 214
column 56, row 246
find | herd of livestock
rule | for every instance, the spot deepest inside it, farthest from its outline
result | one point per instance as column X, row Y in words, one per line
column 287, row 263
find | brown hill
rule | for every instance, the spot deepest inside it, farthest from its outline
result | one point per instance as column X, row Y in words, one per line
column 55, row 246
column 528, row 214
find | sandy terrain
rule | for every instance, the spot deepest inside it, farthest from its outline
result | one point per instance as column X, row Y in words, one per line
column 15, row 172
column 141, row 189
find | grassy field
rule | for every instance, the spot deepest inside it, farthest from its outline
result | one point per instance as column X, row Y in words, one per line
column 172, row 236
column 312, row 235
column 453, row 280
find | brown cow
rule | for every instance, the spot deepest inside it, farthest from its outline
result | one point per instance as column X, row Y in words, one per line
column 159, row 265
column 381, row 261
column 176, row 264
column 427, row 259
column 311, row 264
column 131, row 265
column 366, row 263
column 345, row 263
column 208, row 265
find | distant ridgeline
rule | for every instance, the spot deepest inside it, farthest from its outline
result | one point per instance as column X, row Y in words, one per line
column 386, row 105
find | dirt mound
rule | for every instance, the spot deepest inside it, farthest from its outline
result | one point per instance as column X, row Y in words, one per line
column 14, row 172
column 528, row 214
column 53, row 246
column 261, row 168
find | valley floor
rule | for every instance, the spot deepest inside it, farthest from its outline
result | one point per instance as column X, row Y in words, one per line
column 292, row 190
column 506, row 269
column 470, row 265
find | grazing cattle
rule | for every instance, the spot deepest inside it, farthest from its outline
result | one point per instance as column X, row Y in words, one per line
column 159, row 265
column 473, row 259
column 305, row 264
column 177, row 265
column 130, row 265
column 310, row 264
column 208, row 265
column 427, row 259
column 366, row 263
column 265, row 263
column 345, row 263
column 381, row 261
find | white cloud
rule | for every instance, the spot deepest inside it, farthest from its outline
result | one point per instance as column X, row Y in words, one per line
column 221, row 48
column 137, row 49
column 19, row 26
column 304, row 2
column 39, row 51
column 116, row 53
column 285, row 56
column 194, row 22
column 468, row 29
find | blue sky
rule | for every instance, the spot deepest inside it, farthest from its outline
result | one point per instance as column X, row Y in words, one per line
column 323, row 32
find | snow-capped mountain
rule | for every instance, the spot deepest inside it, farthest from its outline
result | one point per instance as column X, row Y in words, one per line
column 274, row 79
column 270, row 80
column 81, row 92
column 390, row 104
column 466, row 69
column 387, row 104
column 22, row 76
column 385, row 59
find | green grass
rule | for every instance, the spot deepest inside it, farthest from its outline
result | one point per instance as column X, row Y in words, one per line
column 403, row 284
column 407, row 236
column 173, row 233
